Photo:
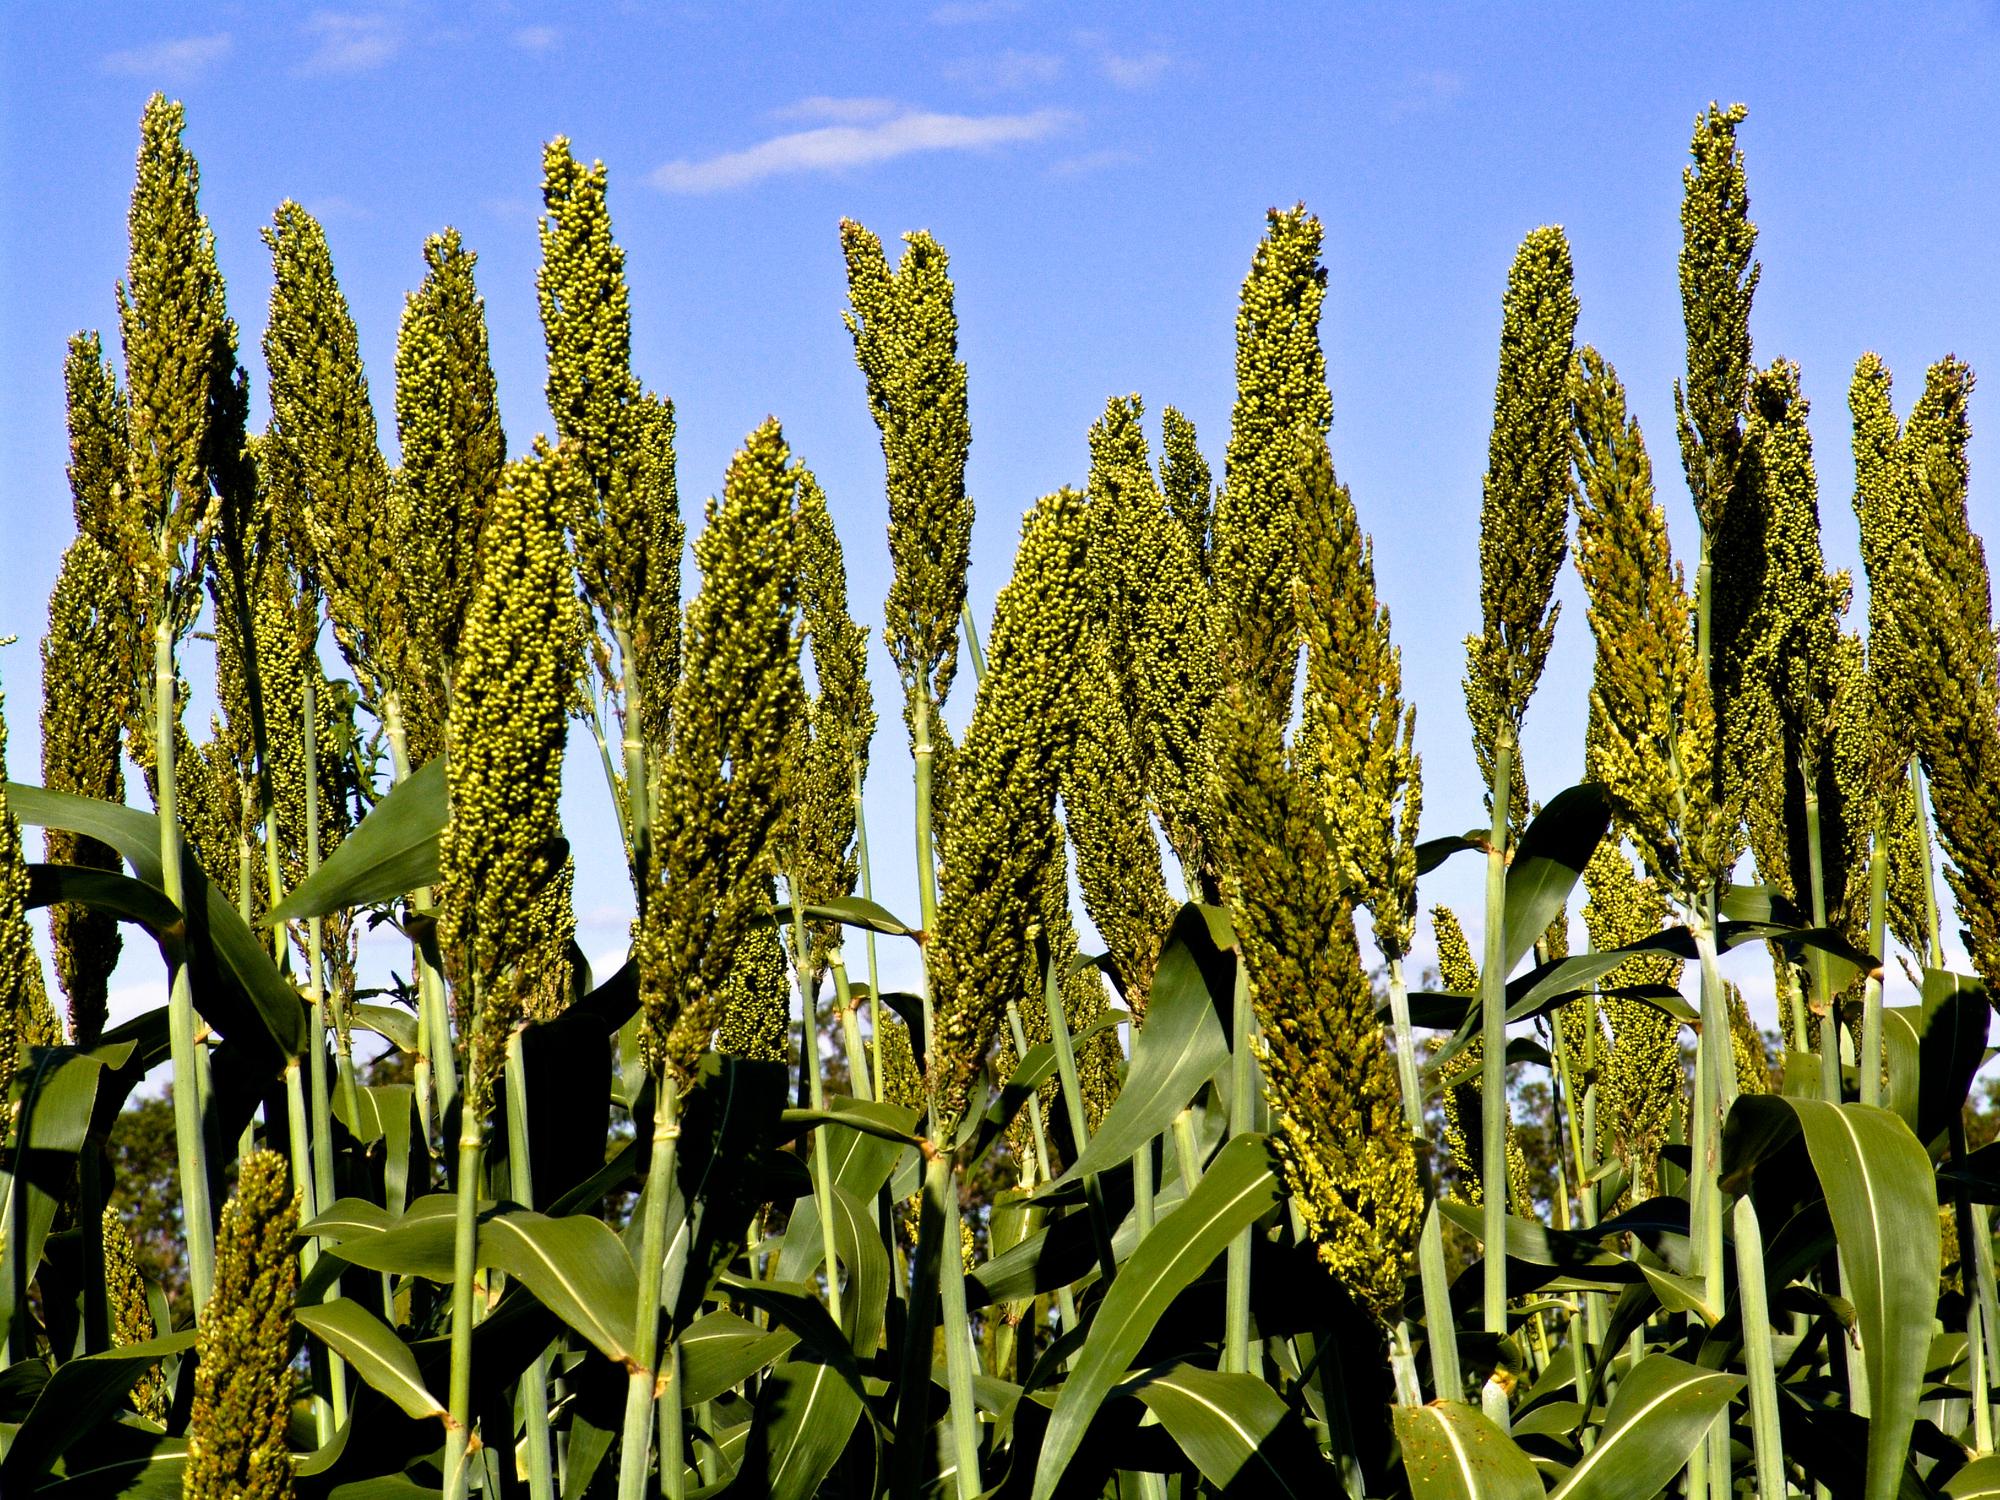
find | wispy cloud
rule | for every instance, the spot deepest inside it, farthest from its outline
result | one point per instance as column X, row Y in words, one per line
column 350, row 42
column 1012, row 69
column 972, row 12
column 832, row 148
column 333, row 208
column 537, row 38
column 1432, row 88
column 1136, row 72
column 181, row 60
column 1085, row 163
column 825, row 109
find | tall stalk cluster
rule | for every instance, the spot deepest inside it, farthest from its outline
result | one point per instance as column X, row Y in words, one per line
column 1223, row 1205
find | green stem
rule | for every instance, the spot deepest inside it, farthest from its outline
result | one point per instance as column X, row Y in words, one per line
column 913, row 1397
column 433, row 1017
column 960, row 1363
column 190, row 1096
column 1242, row 1119
column 1975, row 1312
column 1493, row 1037
column 822, row 1164
column 1440, row 1328
column 328, row 1414
column 868, row 935
column 521, row 1179
column 638, row 798
column 465, row 1267
column 1869, row 1063
column 1079, row 1123
column 1753, row 1302
column 850, row 1024
column 646, row 1308
column 1822, row 974
column 1932, row 927
column 924, row 754
column 1989, row 1298
column 1187, row 1156
column 1042, row 1163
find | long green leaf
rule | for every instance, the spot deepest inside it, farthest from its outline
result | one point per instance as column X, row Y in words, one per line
column 1452, row 1452
column 418, row 1243
column 1235, row 1429
column 1180, row 1047
column 1978, row 1480
column 722, row 1350
column 392, row 851
column 79, row 1395
column 805, row 1414
column 1662, row 1408
column 372, row 1349
column 578, row 1269
column 853, row 911
column 1883, row 1201
column 58, row 1088
column 1549, row 862
column 1240, row 1186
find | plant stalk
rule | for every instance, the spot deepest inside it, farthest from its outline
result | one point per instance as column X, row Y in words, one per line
column 1441, row 1332
column 190, row 1093
column 639, row 1388
column 1493, row 1038
column 465, row 1267
column 822, row 1165
column 1242, row 1119
column 521, row 1181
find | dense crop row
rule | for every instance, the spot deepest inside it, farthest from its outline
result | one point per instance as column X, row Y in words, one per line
column 1174, row 1219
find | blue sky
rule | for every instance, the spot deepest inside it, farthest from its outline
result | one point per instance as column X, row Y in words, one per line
column 1099, row 174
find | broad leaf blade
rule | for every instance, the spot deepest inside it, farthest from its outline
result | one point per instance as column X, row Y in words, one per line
column 371, row 1347
column 1549, row 862
column 1179, row 1048
column 1452, row 1452
column 1240, row 1186
column 394, row 850
column 1663, row 1407
column 1883, row 1201
column 577, row 1268
column 79, row 1395
column 1235, row 1429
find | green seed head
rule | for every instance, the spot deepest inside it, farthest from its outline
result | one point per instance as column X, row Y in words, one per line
column 1331, row 1085
column 26, row 1018
column 1524, row 507
column 243, row 1373
column 1004, row 838
column 722, row 787
column 131, row 1314
column 509, row 718
column 1281, row 401
column 756, row 1001
column 1184, row 476
column 453, row 447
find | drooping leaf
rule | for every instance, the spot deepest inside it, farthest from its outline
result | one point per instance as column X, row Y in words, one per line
column 1239, row 1187
column 1662, row 1408
column 1549, row 861
column 1236, row 1430
column 58, row 1091
column 577, row 1268
column 1181, row 1046
column 374, row 1352
column 78, row 1396
column 852, row 911
column 392, row 851
column 1452, row 1452
column 1953, row 1046
column 722, row 1350
column 805, row 1414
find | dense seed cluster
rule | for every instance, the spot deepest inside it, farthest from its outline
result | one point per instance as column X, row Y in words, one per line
column 1525, row 499
column 626, row 519
column 26, row 1018
column 1336, row 1109
column 131, row 1315
column 509, row 719
column 722, row 787
column 905, row 334
column 1357, row 739
column 831, row 740
column 322, row 413
column 1718, row 281
column 1004, row 838
column 1155, row 613
column 756, row 1000
column 452, row 445
column 1639, row 1081
column 1458, row 972
column 90, row 660
column 1185, row 479
column 243, row 1371
column 1281, row 401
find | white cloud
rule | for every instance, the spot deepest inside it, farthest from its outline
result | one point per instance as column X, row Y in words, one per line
column 1141, row 71
column 181, row 60
column 1011, row 69
column 1430, row 89
column 831, row 148
column 827, row 109
column 536, row 38
column 971, row 12
column 347, row 42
